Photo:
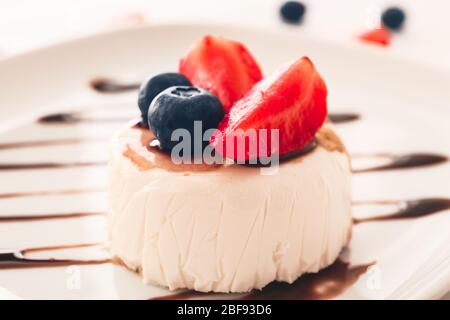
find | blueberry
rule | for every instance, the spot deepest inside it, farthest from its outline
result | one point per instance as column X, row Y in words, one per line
column 154, row 85
column 393, row 18
column 177, row 108
column 292, row 11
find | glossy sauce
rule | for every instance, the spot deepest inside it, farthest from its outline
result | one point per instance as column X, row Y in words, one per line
column 326, row 284
column 343, row 117
column 406, row 161
column 48, row 165
column 50, row 216
column 49, row 193
column 16, row 259
column 104, row 85
column 140, row 148
column 45, row 143
column 291, row 155
column 74, row 118
column 409, row 209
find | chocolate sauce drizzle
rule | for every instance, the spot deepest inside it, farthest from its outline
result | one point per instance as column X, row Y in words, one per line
column 305, row 150
column 408, row 209
column 343, row 117
column 105, row 85
column 288, row 156
column 75, row 118
column 405, row 161
column 46, row 143
column 50, row 216
column 48, row 193
column 48, row 165
column 16, row 259
column 326, row 284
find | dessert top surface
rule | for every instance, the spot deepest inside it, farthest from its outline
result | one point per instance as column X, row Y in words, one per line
column 135, row 144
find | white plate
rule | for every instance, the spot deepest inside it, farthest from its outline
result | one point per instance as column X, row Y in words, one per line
column 404, row 108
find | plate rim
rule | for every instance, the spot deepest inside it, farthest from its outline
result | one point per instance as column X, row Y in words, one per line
column 350, row 45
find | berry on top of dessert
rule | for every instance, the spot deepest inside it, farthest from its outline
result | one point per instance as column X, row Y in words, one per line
column 292, row 100
column 179, row 107
column 224, row 67
column 223, row 226
column 154, row 86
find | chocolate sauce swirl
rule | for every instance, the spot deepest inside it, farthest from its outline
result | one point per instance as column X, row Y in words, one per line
column 75, row 118
column 408, row 209
column 48, row 165
column 49, row 193
column 405, row 161
column 326, row 284
column 286, row 157
column 50, row 216
column 16, row 259
column 105, row 85
column 343, row 117
column 46, row 143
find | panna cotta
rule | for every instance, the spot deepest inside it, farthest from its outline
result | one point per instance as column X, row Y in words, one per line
column 227, row 228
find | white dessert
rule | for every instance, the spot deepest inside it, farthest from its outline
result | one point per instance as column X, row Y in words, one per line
column 227, row 228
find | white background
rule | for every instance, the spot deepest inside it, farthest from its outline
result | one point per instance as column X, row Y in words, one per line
column 28, row 24
column 25, row 24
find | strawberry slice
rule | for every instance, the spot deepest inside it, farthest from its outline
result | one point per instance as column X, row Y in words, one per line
column 379, row 36
column 221, row 66
column 292, row 99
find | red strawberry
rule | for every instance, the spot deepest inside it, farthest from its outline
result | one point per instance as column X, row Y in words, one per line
column 222, row 66
column 292, row 99
column 379, row 36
